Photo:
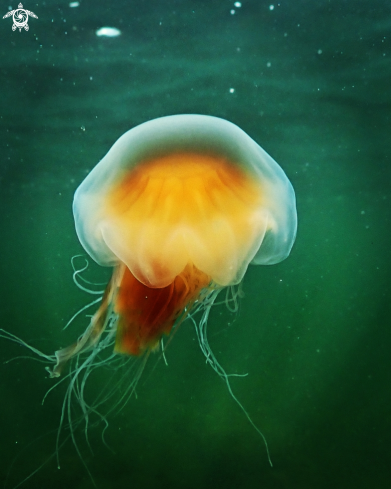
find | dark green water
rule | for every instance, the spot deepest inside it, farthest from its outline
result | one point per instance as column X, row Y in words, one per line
column 311, row 84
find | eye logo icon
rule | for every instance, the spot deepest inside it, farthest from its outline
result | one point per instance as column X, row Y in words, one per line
column 20, row 17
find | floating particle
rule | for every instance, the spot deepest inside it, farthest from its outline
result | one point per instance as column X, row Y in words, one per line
column 108, row 32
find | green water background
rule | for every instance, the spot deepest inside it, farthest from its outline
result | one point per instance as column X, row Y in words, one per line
column 311, row 84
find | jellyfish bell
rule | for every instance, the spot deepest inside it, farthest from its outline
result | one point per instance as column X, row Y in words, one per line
column 180, row 206
column 199, row 163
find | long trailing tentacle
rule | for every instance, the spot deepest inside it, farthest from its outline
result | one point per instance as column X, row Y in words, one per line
column 93, row 350
column 201, row 331
column 11, row 337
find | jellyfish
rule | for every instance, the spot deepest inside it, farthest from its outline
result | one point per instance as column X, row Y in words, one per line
column 179, row 207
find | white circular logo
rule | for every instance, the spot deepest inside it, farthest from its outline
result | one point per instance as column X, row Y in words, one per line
column 20, row 17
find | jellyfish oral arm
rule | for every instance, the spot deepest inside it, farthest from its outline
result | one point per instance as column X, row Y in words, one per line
column 93, row 333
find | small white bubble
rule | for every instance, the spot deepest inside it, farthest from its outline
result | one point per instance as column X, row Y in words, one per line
column 320, row 51
column 271, row 7
column 237, row 4
column 108, row 32
column 83, row 128
column 268, row 64
column 74, row 4
column 233, row 12
column 231, row 90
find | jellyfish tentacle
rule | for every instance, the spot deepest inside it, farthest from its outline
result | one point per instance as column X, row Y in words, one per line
column 11, row 337
column 97, row 325
column 84, row 308
column 201, row 331
column 77, row 275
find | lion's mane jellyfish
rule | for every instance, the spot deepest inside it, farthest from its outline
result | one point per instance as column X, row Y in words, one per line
column 179, row 207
